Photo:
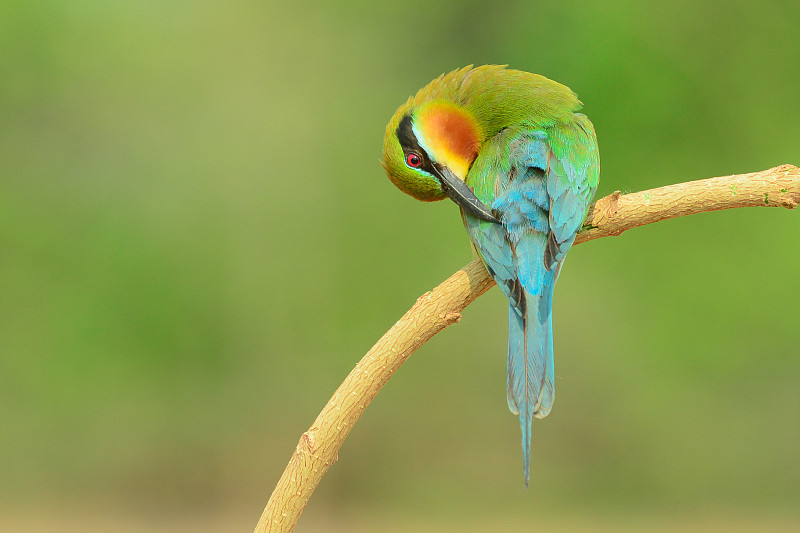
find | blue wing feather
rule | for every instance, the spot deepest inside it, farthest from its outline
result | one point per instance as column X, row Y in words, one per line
column 541, row 182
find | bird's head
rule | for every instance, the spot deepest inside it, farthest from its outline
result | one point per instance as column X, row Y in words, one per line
column 430, row 144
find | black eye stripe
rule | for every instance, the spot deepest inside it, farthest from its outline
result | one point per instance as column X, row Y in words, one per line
column 409, row 143
column 405, row 134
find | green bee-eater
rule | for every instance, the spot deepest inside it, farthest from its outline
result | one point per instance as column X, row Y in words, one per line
column 511, row 150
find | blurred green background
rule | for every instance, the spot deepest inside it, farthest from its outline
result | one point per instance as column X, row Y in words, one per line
column 197, row 243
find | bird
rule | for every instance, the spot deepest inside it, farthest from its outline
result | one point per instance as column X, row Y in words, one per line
column 512, row 151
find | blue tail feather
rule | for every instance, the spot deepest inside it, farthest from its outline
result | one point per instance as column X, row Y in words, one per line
column 530, row 361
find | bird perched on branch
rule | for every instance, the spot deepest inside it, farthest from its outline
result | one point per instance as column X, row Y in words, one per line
column 510, row 148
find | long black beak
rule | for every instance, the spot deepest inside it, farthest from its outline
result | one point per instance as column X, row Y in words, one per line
column 458, row 191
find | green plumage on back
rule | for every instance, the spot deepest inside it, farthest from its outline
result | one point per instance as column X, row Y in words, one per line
column 499, row 97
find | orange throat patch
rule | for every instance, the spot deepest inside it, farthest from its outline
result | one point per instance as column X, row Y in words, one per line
column 451, row 136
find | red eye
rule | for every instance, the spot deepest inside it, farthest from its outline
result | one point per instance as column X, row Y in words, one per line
column 413, row 160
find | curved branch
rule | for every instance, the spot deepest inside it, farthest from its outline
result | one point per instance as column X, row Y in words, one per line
column 435, row 310
column 616, row 213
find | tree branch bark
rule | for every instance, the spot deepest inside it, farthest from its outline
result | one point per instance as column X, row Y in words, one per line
column 435, row 310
